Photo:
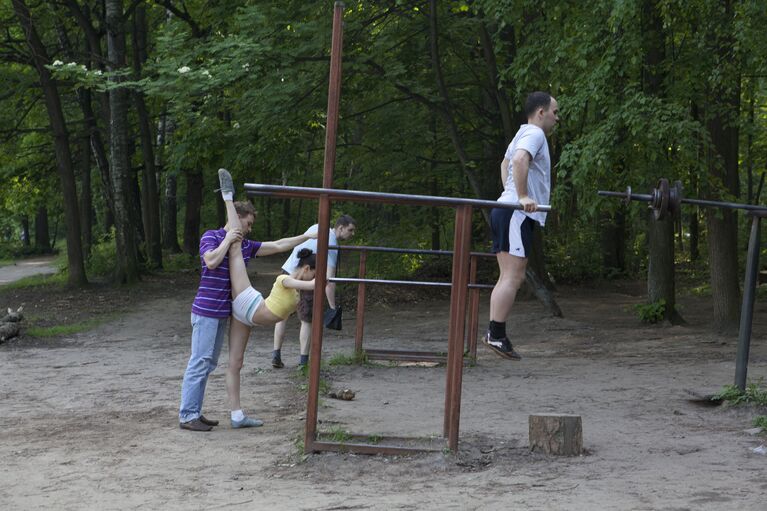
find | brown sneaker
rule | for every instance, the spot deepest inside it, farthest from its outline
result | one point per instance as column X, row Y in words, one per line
column 195, row 425
column 209, row 422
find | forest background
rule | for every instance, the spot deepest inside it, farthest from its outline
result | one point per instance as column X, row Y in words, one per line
column 114, row 116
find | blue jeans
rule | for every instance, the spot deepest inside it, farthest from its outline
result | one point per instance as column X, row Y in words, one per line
column 207, row 340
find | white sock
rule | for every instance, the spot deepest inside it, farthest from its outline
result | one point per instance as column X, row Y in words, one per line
column 227, row 196
column 237, row 415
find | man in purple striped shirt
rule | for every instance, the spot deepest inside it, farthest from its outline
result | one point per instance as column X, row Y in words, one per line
column 212, row 307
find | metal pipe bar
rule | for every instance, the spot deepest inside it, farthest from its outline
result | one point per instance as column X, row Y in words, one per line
column 406, row 355
column 697, row 202
column 370, row 449
column 387, row 198
column 747, row 308
column 352, row 280
column 471, row 332
column 334, row 95
column 363, row 248
column 359, row 328
column 461, row 246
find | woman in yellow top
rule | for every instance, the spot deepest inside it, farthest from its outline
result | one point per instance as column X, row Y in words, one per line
column 249, row 306
column 283, row 299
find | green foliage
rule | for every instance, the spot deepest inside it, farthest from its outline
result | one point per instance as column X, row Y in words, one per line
column 341, row 359
column 760, row 421
column 336, row 434
column 651, row 312
column 59, row 330
column 754, row 393
column 102, row 259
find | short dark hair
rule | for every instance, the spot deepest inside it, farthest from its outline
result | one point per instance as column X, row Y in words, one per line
column 345, row 220
column 536, row 100
column 306, row 256
column 244, row 208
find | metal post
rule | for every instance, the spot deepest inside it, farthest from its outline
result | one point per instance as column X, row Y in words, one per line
column 471, row 333
column 315, row 358
column 320, row 280
column 334, row 95
column 747, row 309
column 458, row 294
column 360, row 326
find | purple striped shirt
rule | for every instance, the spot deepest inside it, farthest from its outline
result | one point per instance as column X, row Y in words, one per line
column 214, row 296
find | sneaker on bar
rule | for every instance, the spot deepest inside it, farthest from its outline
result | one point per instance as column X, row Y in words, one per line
column 502, row 347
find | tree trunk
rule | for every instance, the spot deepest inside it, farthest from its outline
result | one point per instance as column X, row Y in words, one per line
column 42, row 231
column 723, row 113
column 75, row 263
column 25, row 231
column 93, row 48
column 613, row 235
column 86, row 193
column 170, row 219
column 194, row 184
column 660, row 268
column 150, row 198
column 126, row 258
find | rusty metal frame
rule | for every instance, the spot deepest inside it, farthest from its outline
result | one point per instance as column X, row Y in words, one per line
column 410, row 355
column 460, row 279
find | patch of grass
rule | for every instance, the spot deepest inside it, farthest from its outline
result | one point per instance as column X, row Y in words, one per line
column 338, row 435
column 375, row 439
column 347, row 360
column 58, row 279
column 760, row 421
column 58, row 330
column 651, row 312
column 753, row 394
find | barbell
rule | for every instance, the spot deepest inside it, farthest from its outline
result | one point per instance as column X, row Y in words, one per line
column 666, row 200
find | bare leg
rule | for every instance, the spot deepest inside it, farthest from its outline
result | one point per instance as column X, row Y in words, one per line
column 237, row 272
column 238, row 341
column 512, row 275
column 279, row 334
column 305, row 336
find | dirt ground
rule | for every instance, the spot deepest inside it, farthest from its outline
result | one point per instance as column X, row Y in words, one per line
column 89, row 421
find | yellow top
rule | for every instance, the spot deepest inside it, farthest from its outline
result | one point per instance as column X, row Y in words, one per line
column 282, row 301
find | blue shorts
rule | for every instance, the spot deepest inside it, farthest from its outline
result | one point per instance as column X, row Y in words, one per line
column 512, row 231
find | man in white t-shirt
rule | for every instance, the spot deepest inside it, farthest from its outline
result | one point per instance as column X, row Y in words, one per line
column 344, row 229
column 526, row 176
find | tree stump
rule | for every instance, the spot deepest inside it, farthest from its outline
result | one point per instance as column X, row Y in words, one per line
column 556, row 434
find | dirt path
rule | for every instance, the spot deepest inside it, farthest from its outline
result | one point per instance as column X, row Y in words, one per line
column 26, row 268
column 89, row 421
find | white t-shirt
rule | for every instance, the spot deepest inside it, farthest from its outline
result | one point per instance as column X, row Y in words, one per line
column 532, row 139
column 292, row 262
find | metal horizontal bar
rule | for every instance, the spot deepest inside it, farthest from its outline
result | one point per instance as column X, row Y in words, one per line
column 696, row 202
column 364, row 248
column 410, row 356
column 350, row 280
column 389, row 198
column 369, row 448
column 393, row 282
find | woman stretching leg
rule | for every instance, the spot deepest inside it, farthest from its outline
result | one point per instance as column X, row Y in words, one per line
column 249, row 307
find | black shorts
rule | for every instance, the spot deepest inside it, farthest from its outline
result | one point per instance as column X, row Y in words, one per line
column 512, row 231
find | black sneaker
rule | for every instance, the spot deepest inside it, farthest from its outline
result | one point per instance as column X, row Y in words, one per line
column 502, row 347
column 277, row 363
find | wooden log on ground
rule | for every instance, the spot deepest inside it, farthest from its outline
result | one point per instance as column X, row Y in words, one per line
column 557, row 434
